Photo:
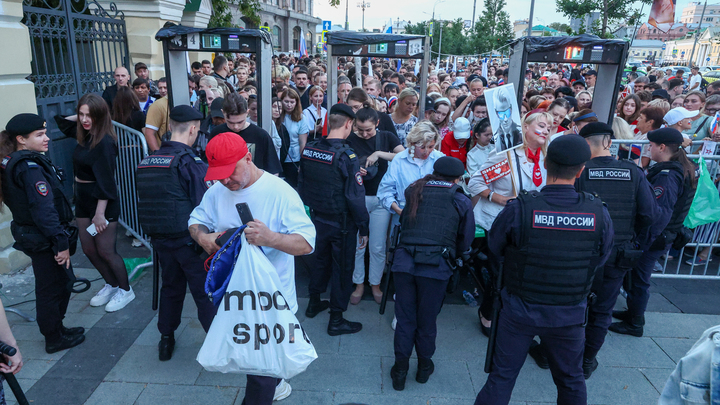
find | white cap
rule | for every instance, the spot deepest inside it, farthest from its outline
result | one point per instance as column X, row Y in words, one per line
column 677, row 114
column 461, row 128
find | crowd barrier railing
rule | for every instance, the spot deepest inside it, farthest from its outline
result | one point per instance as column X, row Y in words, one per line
column 132, row 148
column 673, row 264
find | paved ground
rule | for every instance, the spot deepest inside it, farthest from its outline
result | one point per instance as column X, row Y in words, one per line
column 118, row 363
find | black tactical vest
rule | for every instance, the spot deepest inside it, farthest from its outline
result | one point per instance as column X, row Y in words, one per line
column 323, row 188
column 616, row 182
column 436, row 221
column 559, row 250
column 684, row 201
column 14, row 195
column 163, row 206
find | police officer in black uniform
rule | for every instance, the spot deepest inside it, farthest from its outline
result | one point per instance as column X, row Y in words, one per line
column 170, row 184
column 331, row 185
column 673, row 181
column 32, row 189
column 551, row 243
column 436, row 225
column 622, row 186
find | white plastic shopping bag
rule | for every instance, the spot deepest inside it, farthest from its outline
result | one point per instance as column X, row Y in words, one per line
column 254, row 331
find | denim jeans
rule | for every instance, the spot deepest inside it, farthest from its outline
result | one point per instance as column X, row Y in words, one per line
column 379, row 220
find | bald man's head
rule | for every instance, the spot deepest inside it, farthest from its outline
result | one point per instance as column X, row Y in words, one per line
column 122, row 76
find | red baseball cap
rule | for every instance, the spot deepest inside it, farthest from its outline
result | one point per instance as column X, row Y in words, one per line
column 223, row 152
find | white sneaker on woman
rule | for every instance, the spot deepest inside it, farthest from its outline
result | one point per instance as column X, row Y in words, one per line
column 120, row 300
column 103, row 296
column 282, row 391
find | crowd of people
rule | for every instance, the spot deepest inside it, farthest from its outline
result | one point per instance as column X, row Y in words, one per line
column 364, row 168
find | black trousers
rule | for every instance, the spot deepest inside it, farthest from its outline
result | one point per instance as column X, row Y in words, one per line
column 259, row 390
column 182, row 268
column 51, row 294
column 563, row 346
column 290, row 171
column 600, row 312
column 330, row 265
column 418, row 301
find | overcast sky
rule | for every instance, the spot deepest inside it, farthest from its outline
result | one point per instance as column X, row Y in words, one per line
column 380, row 12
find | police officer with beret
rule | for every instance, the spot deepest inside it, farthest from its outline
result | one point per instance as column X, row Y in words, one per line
column 673, row 181
column 32, row 189
column 436, row 225
column 330, row 183
column 170, row 184
column 622, row 186
column 551, row 243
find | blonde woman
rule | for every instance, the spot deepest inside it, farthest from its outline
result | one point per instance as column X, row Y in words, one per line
column 403, row 118
column 490, row 196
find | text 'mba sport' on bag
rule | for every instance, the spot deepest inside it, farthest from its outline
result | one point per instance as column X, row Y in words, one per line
column 254, row 331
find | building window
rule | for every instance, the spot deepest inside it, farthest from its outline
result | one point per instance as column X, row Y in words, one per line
column 292, row 2
column 277, row 34
column 296, row 39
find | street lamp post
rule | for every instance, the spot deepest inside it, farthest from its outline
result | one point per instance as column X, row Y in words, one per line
column 363, row 5
column 347, row 23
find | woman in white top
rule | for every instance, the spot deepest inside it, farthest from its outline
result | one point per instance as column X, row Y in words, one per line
column 491, row 194
column 528, row 171
column 297, row 129
column 478, row 155
column 315, row 113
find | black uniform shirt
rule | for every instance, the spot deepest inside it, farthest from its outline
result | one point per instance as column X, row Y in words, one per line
column 403, row 261
column 354, row 189
column 507, row 230
column 259, row 144
column 35, row 181
column 667, row 188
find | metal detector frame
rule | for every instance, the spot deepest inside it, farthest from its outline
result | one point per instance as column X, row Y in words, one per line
column 177, row 40
column 608, row 55
column 361, row 49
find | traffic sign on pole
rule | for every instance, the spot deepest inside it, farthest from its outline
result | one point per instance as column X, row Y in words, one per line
column 324, row 36
column 327, row 25
column 431, row 26
column 708, row 59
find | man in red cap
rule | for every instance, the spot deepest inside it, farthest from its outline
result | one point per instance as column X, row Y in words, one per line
column 280, row 226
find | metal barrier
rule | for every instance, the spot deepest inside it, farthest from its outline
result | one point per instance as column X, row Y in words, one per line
column 132, row 148
column 704, row 237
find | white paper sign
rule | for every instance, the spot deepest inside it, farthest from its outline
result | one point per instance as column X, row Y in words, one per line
column 415, row 46
column 193, row 41
column 708, row 148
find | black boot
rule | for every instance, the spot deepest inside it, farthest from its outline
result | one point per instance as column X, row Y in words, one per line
column 537, row 354
column 425, row 368
column 65, row 342
column 621, row 315
column 79, row 330
column 166, row 347
column 315, row 306
column 398, row 373
column 633, row 327
column 341, row 326
column 589, row 366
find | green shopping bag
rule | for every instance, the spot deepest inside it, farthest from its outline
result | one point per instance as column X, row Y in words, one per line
column 705, row 208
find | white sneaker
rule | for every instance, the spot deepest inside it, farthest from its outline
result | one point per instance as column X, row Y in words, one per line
column 119, row 300
column 103, row 296
column 394, row 322
column 136, row 243
column 282, row 391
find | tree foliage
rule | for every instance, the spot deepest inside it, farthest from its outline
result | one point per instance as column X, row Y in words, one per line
column 493, row 28
column 611, row 11
column 222, row 12
column 562, row 27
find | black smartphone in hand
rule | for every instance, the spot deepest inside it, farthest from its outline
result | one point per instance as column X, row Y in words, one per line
column 244, row 212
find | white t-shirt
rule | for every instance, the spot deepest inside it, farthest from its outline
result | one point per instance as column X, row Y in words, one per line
column 272, row 201
column 695, row 79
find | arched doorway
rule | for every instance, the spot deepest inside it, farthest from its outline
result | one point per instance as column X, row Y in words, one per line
column 277, row 38
column 296, row 39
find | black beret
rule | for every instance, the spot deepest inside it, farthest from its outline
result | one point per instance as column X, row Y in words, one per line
column 185, row 113
column 596, row 128
column 449, row 166
column 342, row 109
column 25, row 123
column 569, row 150
column 666, row 136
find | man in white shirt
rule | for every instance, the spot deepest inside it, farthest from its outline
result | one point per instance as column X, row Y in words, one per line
column 695, row 79
column 280, row 226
